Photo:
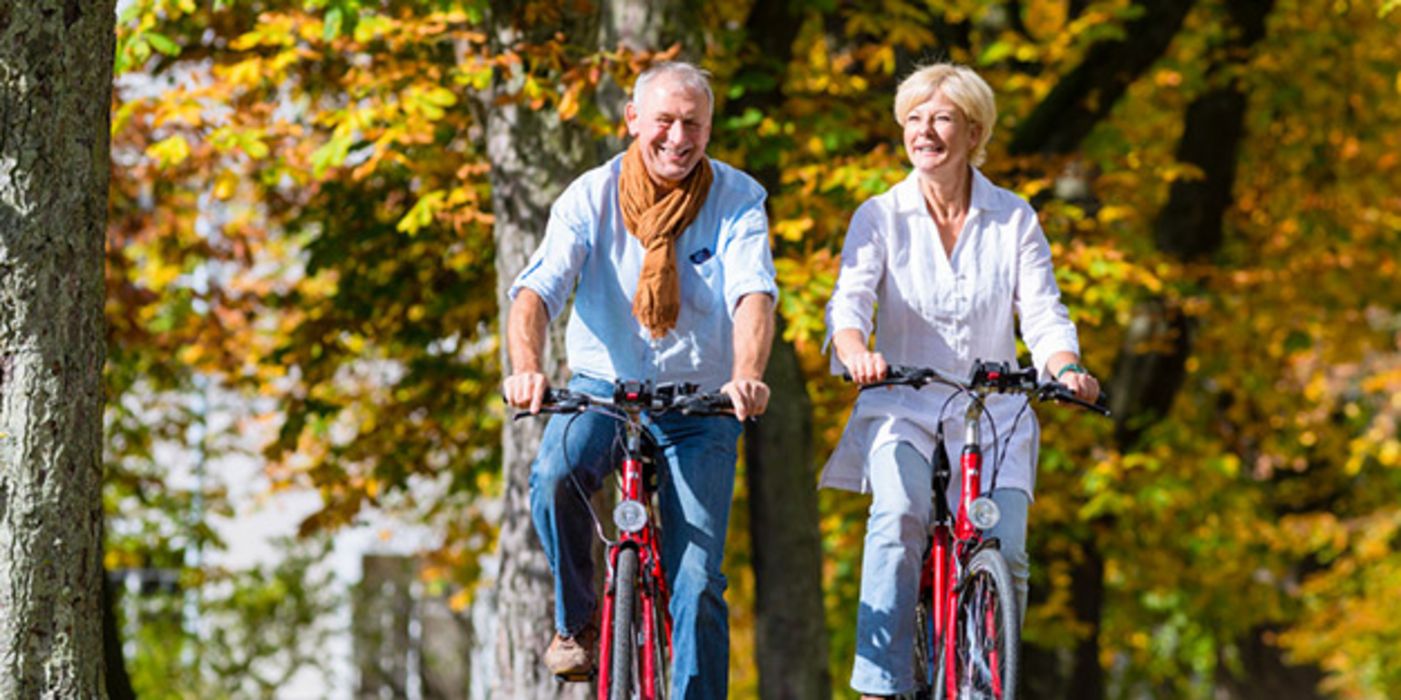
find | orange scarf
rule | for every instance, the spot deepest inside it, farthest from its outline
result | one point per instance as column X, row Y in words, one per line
column 656, row 215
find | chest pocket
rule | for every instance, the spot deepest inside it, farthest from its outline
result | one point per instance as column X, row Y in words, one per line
column 702, row 280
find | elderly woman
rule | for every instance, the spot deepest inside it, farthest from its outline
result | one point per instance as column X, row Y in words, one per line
column 945, row 259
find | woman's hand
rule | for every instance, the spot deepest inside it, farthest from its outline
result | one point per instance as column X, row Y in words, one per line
column 863, row 365
column 1084, row 384
column 866, row 367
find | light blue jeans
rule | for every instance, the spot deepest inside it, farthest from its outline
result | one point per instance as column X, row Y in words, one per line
column 696, row 486
column 896, row 531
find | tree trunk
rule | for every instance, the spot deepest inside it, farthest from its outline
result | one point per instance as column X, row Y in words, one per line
column 1084, row 96
column 790, row 636
column 1265, row 675
column 118, row 682
column 1152, row 364
column 534, row 155
column 55, row 94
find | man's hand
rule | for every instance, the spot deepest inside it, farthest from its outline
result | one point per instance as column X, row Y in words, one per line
column 525, row 390
column 749, row 396
column 525, row 341
column 753, row 337
column 866, row 367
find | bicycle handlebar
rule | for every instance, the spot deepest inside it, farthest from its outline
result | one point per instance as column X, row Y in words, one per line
column 685, row 398
column 990, row 378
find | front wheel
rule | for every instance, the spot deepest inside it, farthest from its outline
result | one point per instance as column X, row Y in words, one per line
column 987, row 632
column 926, row 648
column 620, row 676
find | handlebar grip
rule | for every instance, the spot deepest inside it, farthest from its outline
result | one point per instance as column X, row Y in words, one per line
column 897, row 375
column 704, row 404
column 557, row 395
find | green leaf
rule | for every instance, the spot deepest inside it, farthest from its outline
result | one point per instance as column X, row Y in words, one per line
column 441, row 97
column 997, row 52
column 422, row 212
column 163, row 44
column 334, row 17
column 170, row 151
column 330, row 154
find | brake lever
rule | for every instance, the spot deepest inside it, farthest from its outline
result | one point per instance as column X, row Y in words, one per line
column 899, row 375
column 1061, row 393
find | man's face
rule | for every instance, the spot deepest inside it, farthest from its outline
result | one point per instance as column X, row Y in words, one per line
column 672, row 126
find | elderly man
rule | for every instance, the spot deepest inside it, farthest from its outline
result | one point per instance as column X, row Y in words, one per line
column 675, row 283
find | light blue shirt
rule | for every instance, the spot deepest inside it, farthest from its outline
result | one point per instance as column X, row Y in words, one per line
column 722, row 256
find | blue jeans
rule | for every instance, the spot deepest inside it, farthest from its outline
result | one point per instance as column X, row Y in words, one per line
column 696, row 486
column 896, row 531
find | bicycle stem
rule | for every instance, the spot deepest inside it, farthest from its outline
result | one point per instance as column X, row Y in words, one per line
column 970, row 463
column 631, row 474
column 972, row 420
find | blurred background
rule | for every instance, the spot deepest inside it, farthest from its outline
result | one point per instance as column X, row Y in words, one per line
column 313, row 487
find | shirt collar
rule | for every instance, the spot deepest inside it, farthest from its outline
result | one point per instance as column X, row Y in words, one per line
column 984, row 196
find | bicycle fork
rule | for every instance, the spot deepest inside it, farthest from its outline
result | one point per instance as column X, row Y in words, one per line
column 948, row 546
column 649, row 587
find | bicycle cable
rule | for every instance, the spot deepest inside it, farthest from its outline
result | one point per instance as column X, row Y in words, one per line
column 1002, row 453
column 579, row 488
column 983, row 410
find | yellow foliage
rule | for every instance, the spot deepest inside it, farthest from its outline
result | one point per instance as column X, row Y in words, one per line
column 170, row 151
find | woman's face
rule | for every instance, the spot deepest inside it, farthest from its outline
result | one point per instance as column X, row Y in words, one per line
column 938, row 137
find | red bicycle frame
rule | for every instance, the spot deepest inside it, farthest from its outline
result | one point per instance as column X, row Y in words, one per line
column 952, row 544
column 652, row 593
column 643, row 589
column 967, row 581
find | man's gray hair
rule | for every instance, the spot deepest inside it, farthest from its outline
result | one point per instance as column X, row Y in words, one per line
column 687, row 74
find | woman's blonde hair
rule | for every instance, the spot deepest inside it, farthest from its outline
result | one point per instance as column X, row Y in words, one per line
column 963, row 86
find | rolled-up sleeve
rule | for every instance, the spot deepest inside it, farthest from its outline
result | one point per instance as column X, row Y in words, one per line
column 746, row 256
column 1045, row 322
column 863, row 264
column 554, row 267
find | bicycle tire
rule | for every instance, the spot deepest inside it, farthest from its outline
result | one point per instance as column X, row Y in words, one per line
column 925, row 648
column 661, row 659
column 620, row 676
column 987, row 632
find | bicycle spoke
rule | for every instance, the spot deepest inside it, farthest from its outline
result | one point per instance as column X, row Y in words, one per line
column 979, row 641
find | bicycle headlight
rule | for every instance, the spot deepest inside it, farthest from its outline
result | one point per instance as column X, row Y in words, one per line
column 984, row 513
column 630, row 516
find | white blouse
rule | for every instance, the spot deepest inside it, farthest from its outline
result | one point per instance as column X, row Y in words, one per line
column 944, row 311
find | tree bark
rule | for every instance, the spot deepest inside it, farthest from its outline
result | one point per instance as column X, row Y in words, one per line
column 534, row 155
column 55, row 94
column 1083, row 97
column 118, row 682
column 1264, row 673
column 1152, row 363
column 785, row 540
column 790, row 622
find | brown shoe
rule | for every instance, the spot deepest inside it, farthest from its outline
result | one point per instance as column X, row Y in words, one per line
column 573, row 658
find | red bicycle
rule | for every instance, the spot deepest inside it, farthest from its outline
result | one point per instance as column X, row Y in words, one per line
column 635, row 629
column 968, row 626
